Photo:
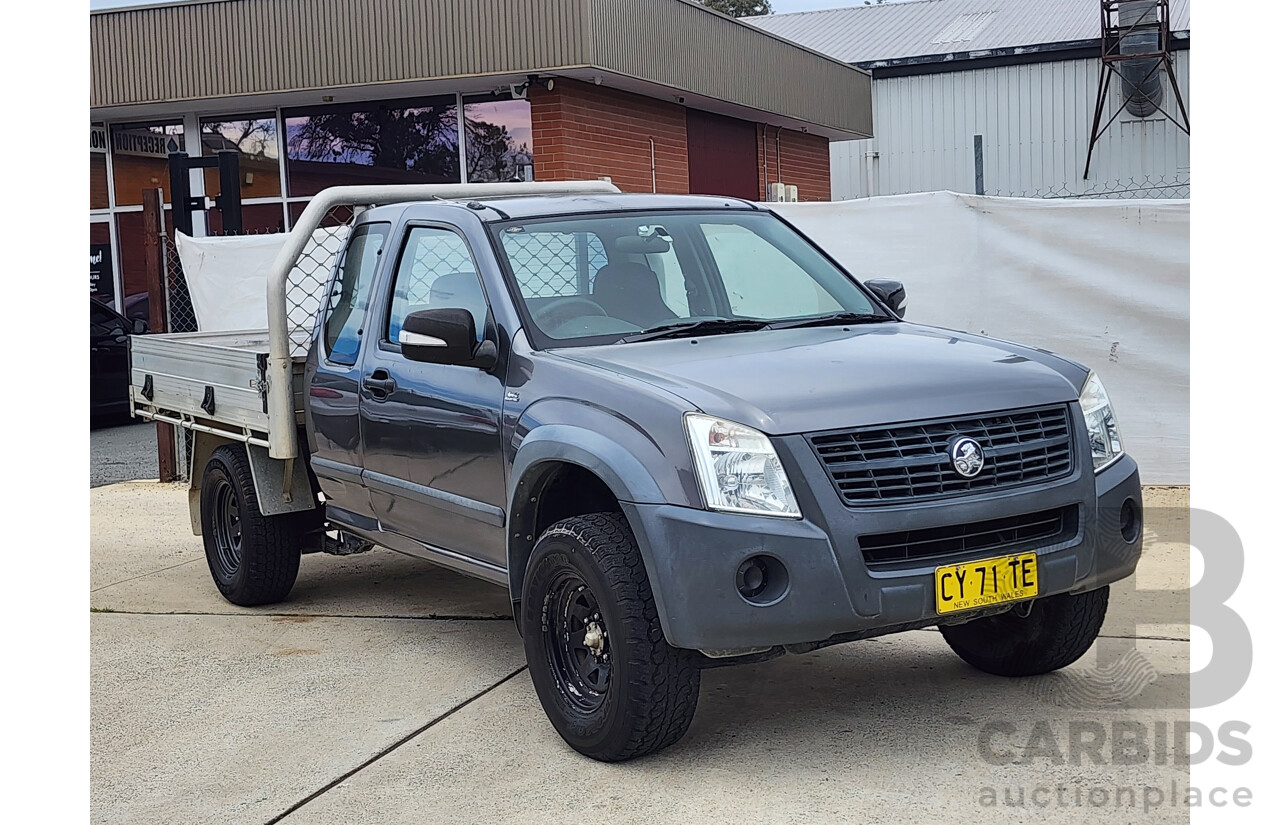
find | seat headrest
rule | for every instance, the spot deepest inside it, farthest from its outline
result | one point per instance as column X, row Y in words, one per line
column 626, row 277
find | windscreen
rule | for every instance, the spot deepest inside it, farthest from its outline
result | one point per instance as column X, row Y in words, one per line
column 599, row 279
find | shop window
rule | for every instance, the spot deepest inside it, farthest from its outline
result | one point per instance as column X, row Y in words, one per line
column 414, row 141
column 102, row 282
column 140, row 158
column 258, row 219
column 255, row 140
column 339, row 216
column 99, row 197
column 499, row 140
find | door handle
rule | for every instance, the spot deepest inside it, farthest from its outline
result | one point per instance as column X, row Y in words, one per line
column 380, row 383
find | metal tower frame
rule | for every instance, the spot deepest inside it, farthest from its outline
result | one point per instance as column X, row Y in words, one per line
column 1113, row 31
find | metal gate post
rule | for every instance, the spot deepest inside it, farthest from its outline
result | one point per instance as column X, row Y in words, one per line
column 157, row 300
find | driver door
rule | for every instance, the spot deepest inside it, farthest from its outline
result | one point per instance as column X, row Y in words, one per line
column 432, row 432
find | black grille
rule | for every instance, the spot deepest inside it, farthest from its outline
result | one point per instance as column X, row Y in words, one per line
column 956, row 539
column 910, row 461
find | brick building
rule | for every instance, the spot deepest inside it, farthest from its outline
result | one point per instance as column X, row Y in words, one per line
column 657, row 95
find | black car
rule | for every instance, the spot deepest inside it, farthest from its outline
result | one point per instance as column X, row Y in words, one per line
column 109, row 333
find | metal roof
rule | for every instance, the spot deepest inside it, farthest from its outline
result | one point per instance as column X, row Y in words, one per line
column 226, row 53
column 917, row 28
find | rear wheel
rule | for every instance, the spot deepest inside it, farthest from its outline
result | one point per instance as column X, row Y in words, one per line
column 253, row 558
column 1057, row 631
column 611, row 685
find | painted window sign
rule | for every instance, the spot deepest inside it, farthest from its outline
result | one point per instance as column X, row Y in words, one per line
column 102, row 284
column 144, row 143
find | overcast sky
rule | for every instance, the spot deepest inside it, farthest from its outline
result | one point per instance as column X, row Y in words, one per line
column 780, row 6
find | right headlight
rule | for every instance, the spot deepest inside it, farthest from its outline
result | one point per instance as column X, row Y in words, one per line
column 738, row 469
column 1100, row 421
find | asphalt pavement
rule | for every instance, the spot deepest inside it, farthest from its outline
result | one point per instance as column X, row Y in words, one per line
column 390, row 690
column 122, row 453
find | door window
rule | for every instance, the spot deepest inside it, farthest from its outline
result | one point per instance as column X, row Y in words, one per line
column 349, row 297
column 436, row 271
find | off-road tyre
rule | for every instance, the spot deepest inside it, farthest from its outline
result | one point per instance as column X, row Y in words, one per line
column 1058, row 630
column 646, row 697
column 253, row 558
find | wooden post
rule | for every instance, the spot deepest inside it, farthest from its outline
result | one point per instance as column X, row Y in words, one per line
column 157, row 300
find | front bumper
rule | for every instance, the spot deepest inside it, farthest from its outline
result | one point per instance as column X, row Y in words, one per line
column 693, row 556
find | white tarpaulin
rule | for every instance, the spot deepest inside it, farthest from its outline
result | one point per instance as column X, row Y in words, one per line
column 227, row 278
column 1103, row 282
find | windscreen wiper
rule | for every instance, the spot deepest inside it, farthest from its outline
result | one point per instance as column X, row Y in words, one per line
column 833, row 319
column 686, row 329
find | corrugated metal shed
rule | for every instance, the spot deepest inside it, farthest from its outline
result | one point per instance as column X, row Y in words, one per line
column 1034, row 120
column 866, row 34
column 202, row 50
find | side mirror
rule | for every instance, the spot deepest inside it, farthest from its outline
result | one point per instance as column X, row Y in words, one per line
column 445, row 336
column 140, row 326
column 892, row 293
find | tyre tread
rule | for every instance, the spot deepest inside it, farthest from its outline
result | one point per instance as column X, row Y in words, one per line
column 664, row 704
column 272, row 545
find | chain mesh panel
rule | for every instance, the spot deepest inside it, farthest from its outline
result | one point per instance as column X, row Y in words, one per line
column 303, row 297
column 305, row 292
column 441, row 254
column 554, row 264
column 180, row 312
column 182, row 318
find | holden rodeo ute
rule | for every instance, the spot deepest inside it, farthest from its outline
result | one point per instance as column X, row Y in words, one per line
column 679, row 432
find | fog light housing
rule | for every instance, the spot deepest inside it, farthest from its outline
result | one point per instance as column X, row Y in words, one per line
column 1130, row 521
column 762, row 580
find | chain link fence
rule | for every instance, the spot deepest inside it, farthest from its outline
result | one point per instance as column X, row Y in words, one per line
column 1150, row 186
column 305, row 294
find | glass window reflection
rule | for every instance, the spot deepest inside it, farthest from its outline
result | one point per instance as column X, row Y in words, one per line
column 255, row 139
column 412, row 141
column 140, row 158
column 499, row 140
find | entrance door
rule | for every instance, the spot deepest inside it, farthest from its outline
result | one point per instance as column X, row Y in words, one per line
column 722, row 156
column 431, row 432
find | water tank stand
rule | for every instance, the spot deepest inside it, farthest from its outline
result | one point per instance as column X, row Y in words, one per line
column 1135, row 47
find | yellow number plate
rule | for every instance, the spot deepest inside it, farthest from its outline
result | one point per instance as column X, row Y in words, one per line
column 987, row 582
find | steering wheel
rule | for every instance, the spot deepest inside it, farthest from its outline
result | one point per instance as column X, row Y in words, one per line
column 561, row 311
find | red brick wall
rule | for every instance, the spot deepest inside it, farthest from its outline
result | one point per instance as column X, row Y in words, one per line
column 584, row 132
column 805, row 162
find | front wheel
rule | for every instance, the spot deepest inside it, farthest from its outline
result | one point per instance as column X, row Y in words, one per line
column 1057, row 631
column 253, row 558
column 611, row 685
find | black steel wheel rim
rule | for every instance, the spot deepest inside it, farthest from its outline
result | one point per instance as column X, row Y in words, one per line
column 577, row 643
column 227, row 528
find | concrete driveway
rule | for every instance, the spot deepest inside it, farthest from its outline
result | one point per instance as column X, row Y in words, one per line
column 389, row 690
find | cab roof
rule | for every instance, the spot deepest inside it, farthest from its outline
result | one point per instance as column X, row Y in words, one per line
column 541, row 206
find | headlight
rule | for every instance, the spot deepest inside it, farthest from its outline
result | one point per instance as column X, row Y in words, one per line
column 1100, row 420
column 738, row 470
